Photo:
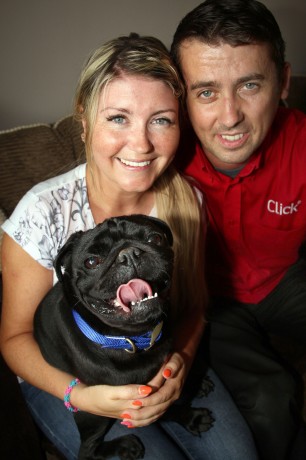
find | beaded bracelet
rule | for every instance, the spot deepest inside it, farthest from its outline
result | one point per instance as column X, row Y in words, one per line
column 67, row 395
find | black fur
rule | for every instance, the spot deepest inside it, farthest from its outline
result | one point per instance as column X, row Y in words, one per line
column 90, row 268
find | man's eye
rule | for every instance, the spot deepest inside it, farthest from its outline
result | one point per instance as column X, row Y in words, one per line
column 251, row 85
column 206, row 94
column 93, row 262
column 156, row 238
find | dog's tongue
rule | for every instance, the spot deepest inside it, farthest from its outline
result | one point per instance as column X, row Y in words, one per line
column 134, row 291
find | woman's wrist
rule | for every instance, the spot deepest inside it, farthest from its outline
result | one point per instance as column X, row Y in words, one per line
column 75, row 392
column 67, row 395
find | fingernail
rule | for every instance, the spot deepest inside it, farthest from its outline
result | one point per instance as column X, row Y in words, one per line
column 125, row 416
column 144, row 390
column 167, row 373
column 127, row 424
column 137, row 403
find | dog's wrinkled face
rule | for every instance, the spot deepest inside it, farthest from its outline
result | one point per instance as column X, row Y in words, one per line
column 120, row 269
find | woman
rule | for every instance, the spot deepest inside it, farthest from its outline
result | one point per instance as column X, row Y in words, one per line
column 128, row 103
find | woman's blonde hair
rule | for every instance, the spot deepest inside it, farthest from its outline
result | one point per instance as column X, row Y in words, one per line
column 175, row 198
column 179, row 205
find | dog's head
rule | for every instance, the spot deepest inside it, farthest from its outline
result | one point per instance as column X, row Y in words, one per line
column 120, row 270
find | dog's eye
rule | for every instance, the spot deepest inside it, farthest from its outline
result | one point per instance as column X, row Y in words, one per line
column 156, row 238
column 93, row 262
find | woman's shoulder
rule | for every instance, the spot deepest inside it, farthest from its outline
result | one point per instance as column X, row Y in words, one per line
column 48, row 214
column 68, row 178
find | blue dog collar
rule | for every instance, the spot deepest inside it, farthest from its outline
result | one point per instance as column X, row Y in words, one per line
column 135, row 343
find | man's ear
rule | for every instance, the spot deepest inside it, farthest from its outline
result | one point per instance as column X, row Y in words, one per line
column 285, row 83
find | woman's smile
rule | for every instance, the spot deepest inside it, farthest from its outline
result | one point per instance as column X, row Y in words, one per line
column 135, row 164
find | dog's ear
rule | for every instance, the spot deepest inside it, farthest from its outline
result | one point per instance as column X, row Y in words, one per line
column 60, row 262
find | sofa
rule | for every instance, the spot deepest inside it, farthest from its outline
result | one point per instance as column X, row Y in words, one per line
column 28, row 155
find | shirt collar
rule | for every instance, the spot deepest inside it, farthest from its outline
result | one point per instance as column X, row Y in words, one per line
column 253, row 164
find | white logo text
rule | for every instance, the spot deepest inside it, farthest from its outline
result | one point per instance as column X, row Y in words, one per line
column 279, row 208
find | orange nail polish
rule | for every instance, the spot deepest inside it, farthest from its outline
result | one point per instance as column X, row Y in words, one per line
column 167, row 373
column 144, row 390
column 125, row 416
column 127, row 424
column 137, row 403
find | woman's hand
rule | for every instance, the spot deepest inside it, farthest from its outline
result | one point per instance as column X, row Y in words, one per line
column 136, row 405
column 167, row 385
column 107, row 400
column 166, row 389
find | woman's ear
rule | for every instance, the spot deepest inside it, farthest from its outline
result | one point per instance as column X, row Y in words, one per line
column 83, row 135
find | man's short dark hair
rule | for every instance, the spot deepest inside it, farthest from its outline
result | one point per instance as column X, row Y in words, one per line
column 235, row 22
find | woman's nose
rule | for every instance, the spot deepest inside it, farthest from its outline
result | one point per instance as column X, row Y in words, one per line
column 140, row 140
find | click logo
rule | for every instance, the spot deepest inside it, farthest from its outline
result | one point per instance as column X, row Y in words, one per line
column 279, row 208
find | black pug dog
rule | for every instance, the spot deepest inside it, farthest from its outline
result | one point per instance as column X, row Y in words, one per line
column 107, row 321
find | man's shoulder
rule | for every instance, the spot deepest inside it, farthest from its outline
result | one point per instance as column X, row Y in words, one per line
column 288, row 120
column 287, row 136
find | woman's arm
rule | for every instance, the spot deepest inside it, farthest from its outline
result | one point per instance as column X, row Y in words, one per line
column 25, row 282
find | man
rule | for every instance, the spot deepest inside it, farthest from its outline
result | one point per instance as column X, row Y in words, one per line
column 249, row 157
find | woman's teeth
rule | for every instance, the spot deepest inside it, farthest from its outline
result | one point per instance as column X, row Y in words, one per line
column 135, row 163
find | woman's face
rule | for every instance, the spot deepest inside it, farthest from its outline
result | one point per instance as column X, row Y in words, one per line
column 136, row 133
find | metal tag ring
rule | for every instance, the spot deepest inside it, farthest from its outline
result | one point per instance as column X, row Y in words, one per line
column 134, row 348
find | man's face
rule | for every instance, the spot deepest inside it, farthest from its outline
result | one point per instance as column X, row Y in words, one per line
column 232, row 96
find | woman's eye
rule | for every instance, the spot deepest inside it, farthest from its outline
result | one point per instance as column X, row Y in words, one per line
column 117, row 119
column 93, row 262
column 162, row 121
column 156, row 238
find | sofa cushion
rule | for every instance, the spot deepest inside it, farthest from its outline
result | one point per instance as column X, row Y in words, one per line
column 2, row 219
column 30, row 154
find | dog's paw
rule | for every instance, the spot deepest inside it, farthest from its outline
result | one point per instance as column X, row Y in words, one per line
column 130, row 447
column 206, row 386
column 199, row 421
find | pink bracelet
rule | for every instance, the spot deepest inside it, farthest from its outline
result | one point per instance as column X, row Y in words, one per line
column 67, row 395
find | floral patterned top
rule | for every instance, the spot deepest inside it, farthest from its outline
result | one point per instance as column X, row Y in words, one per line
column 49, row 213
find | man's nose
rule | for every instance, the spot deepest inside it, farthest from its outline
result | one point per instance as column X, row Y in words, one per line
column 231, row 113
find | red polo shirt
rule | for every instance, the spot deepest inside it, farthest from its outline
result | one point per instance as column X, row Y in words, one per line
column 257, row 221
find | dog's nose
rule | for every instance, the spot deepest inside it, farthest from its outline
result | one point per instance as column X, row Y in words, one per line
column 128, row 255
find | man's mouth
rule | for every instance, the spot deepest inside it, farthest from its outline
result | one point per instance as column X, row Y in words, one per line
column 135, row 164
column 233, row 141
column 232, row 137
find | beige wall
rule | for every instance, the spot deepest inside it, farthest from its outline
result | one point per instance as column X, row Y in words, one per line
column 43, row 44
